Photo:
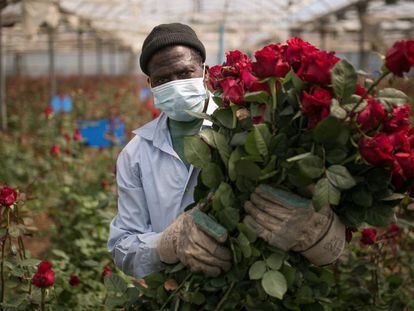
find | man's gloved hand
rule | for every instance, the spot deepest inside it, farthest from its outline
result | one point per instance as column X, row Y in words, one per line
column 184, row 241
column 289, row 222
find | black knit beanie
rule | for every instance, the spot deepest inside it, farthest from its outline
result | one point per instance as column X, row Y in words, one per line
column 168, row 35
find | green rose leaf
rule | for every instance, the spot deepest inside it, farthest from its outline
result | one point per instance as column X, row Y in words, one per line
column 324, row 194
column 339, row 176
column 336, row 155
column 244, row 245
column 225, row 117
column 222, row 147
column 262, row 138
column 257, row 97
column 331, row 131
column 249, row 232
column 344, row 79
column 228, row 217
column 311, row 166
column 257, row 270
column 114, row 283
column 275, row 260
column 250, row 145
column 196, row 151
column 336, row 110
column 208, row 136
column 248, row 169
column 392, row 97
column 274, row 284
column 226, row 195
column 211, row 175
column 234, row 158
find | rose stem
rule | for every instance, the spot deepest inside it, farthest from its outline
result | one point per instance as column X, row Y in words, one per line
column 224, row 298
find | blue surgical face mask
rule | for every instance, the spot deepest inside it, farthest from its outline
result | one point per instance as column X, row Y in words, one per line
column 175, row 97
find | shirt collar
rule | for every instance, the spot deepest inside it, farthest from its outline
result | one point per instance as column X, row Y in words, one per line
column 157, row 129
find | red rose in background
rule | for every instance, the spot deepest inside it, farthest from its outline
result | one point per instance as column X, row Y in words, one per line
column 270, row 62
column 233, row 90
column 369, row 236
column 316, row 67
column 48, row 111
column 66, row 137
column 316, row 105
column 44, row 276
column 55, row 150
column 393, row 229
column 397, row 174
column 214, row 77
column 74, row 280
column 400, row 58
column 77, row 136
column 372, row 115
column 399, row 120
column 376, row 150
column 7, row 196
column 106, row 271
column 295, row 50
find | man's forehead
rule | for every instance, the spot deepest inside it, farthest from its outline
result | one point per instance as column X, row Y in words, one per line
column 175, row 56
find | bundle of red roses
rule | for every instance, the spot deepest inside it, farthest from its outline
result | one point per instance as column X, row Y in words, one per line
column 295, row 118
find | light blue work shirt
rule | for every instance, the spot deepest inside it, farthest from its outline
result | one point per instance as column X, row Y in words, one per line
column 154, row 188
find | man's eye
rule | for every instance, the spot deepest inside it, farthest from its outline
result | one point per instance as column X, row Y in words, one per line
column 184, row 74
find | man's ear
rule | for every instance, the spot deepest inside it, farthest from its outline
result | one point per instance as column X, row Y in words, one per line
column 148, row 81
column 206, row 74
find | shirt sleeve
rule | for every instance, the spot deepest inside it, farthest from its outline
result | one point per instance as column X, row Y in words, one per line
column 132, row 241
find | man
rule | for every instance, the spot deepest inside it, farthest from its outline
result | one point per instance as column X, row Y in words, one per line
column 156, row 183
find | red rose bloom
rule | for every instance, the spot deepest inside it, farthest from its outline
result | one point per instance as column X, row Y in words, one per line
column 214, row 77
column 77, row 136
column 399, row 120
column 106, row 271
column 400, row 142
column 316, row 105
column 369, row 236
column 410, row 135
column 44, row 276
column 406, row 161
column 296, row 49
column 270, row 62
column 376, row 150
column 393, row 229
column 316, row 67
column 233, row 90
column 74, row 280
column 397, row 173
column 400, row 58
column 247, row 78
column 234, row 58
column 360, row 90
column 55, row 150
column 48, row 111
column 371, row 116
column 7, row 196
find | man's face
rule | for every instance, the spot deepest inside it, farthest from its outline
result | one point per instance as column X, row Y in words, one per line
column 174, row 63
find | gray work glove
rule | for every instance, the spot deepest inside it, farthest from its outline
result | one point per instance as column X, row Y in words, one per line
column 184, row 241
column 289, row 222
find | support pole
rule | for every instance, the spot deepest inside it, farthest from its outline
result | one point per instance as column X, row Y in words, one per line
column 322, row 34
column 3, row 106
column 99, row 64
column 362, row 9
column 221, row 44
column 80, row 56
column 52, row 74
column 114, row 52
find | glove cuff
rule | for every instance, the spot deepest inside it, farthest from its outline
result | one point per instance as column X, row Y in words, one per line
column 330, row 246
column 167, row 244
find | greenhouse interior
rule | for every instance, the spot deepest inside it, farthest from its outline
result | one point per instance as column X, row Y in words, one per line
column 207, row 155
